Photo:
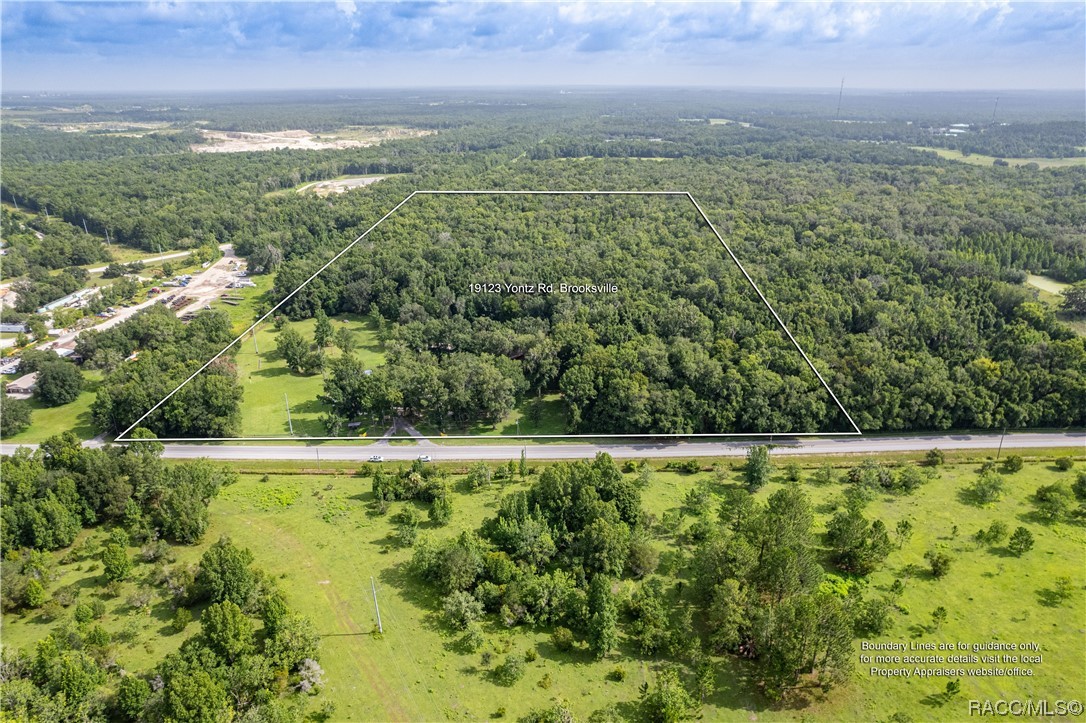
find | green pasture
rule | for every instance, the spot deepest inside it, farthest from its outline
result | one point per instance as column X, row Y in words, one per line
column 319, row 537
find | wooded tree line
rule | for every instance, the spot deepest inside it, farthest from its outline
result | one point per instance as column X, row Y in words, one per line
column 180, row 200
column 1052, row 139
column 61, row 244
column 39, row 145
column 167, row 352
column 252, row 650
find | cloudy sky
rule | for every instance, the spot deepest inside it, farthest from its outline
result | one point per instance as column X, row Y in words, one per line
column 268, row 45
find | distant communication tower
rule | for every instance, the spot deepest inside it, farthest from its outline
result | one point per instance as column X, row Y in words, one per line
column 840, row 95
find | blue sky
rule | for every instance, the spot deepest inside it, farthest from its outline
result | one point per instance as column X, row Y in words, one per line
column 268, row 45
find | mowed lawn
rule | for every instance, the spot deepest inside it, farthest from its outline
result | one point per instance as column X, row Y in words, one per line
column 269, row 386
column 318, row 533
column 74, row 416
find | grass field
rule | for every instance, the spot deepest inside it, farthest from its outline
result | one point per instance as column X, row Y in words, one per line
column 977, row 159
column 551, row 420
column 266, row 379
column 1046, row 284
column 74, row 416
column 256, row 300
column 1050, row 292
column 317, row 534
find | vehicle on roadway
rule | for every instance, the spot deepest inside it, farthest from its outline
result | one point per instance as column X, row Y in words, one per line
column 424, row 458
column 376, row 458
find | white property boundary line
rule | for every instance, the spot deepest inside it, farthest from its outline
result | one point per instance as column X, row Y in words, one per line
column 685, row 194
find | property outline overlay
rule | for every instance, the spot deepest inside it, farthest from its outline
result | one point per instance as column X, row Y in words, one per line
column 122, row 438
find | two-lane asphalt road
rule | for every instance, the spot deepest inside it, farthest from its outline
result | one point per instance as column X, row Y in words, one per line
column 1074, row 442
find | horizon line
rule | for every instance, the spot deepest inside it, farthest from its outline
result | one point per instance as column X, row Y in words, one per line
column 536, row 86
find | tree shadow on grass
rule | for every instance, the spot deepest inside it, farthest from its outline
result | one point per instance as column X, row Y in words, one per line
column 365, row 497
column 917, row 630
column 309, row 405
column 735, row 686
column 968, row 496
column 626, row 710
column 935, row 700
column 270, row 372
column 672, row 561
column 577, row 655
column 1049, row 598
column 415, row 592
column 798, row 699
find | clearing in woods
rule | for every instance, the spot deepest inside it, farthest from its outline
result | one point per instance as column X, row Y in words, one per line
column 353, row 137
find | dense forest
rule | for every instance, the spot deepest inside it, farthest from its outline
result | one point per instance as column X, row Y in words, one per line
column 900, row 274
column 682, row 345
column 880, row 300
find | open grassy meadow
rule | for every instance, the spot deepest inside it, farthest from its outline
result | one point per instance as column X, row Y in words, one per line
column 978, row 159
column 319, row 535
column 269, row 385
column 74, row 416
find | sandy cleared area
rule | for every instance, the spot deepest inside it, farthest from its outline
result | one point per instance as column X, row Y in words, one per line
column 208, row 285
column 239, row 141
column 205, row 287
column 326, row 188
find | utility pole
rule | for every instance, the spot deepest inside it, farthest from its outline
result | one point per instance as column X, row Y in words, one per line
column 840, row 95
column 318, row 451
column 1000, row 450
column 85, row 227
column 375, row 607
column 289, row 423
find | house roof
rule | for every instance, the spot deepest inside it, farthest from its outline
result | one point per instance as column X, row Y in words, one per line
column 26, row 381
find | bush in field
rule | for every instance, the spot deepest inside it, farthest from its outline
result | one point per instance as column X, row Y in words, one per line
column 563, row 639
column 1021, row 542
column 461, row 609
column 939, row 563
column 1013, row 463
column 511, row 670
